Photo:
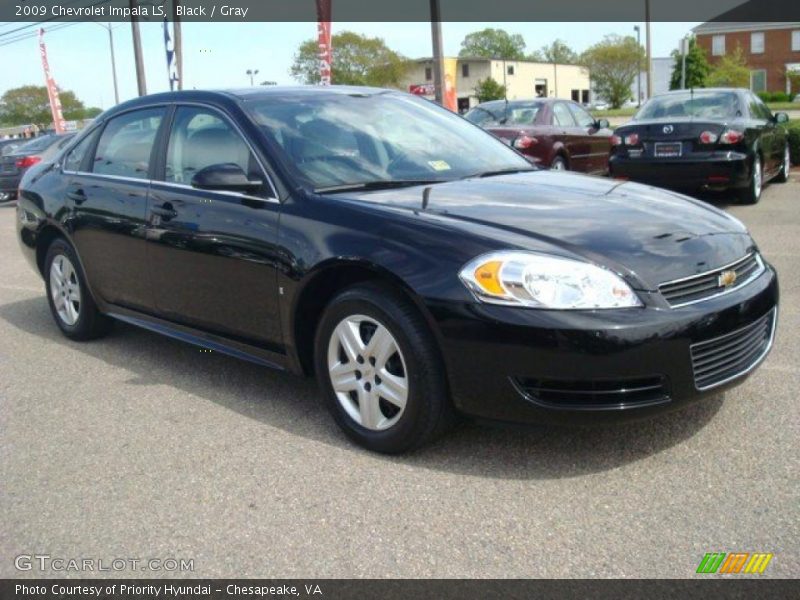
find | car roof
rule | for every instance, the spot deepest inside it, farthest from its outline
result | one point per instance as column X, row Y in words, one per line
column 702, row 90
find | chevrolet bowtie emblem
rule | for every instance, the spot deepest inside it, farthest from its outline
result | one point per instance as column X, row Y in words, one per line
column 726, row 278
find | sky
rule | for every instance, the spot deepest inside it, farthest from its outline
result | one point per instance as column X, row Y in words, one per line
column 217, row 55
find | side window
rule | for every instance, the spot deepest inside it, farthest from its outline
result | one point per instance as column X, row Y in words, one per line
column 758, row 110
column 74, row 161
column 200, row 138
column 562, row 116
column 583, row 118
column 126, row 144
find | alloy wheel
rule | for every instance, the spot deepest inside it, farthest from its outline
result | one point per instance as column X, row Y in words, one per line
column 787, row 162
column 368, row 372
column 757, row 177
column 65, row 289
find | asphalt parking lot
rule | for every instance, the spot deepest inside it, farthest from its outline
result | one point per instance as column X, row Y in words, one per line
column 140, row 446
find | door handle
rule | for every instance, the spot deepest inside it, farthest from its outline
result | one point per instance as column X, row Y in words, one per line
column 165, row 211
column 77, row 195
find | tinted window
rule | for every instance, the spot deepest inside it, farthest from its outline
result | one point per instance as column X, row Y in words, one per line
column 523, row 114
column 75, row 159
column 485, row 114
column 758, row 110
column 706, row 105
column 126, row 144
column 583, row 118
column 200, row 138
column 562, row 116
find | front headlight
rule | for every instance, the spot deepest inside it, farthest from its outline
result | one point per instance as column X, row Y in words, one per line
column 541, row 281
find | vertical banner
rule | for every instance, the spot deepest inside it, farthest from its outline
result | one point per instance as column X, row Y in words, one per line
column 172, row 67
column 52, row 91
column 324, row 41
column 449, row 94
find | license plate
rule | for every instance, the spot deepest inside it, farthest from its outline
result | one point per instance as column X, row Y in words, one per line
column 669, row 149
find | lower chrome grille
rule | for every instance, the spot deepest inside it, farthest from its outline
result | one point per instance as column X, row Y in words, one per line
column 705, row 285
column 594, row 393
column 729, row 356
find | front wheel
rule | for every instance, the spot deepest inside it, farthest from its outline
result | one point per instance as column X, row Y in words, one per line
column 380, row 371
column 752, row 194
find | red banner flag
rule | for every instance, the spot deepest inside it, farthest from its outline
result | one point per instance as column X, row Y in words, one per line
column 52, row 90
column 324, row 41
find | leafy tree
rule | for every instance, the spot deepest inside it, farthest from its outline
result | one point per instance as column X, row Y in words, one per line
column 697, row 67
column 613, row 65
column 730, row 71
column 558, row 52
column 793, row 75
column 488, row 89
column 31, row 104
column 357, row 60
column 493, row 43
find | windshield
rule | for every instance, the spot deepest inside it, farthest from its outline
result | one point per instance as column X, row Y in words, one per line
column 707, row 105
column 337, row 139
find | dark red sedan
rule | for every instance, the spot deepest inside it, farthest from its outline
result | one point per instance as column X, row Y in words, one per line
column 554, row 133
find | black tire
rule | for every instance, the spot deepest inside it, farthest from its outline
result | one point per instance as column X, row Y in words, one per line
column 90, row 323
column 752, row 193
column 559, row 164
column 428, row 411
column 783, row 174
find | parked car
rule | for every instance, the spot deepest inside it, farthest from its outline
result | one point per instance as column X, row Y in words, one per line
column 710, row 139
column 10, row 144
column 414, row 263
column 555, row 133
column 14, row 163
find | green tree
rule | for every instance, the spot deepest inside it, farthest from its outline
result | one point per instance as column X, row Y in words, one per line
column 793, row 75
column 357, row 60
column 730, row 71
column 493, row 43
column 31, row 104
column 697, row 67
column 488, row 89
column 613, row 66
column 558, row 52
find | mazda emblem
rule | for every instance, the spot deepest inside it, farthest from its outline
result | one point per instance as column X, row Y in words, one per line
column 668, row 128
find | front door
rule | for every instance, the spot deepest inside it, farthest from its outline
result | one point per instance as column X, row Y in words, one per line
column 212, row 254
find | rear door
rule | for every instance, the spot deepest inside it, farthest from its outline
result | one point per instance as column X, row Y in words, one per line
column 574, row 138
column 106, row 197
column 212, row 254
column 770, row 135
column 598, row 140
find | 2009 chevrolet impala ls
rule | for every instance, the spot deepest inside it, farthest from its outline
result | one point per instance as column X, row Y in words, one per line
column 417, row 265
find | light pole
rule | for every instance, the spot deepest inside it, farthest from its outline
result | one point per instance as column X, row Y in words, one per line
column 649, row 59
column 638, row 31
column 684, row 51
column 113, row 62
column 252, row 73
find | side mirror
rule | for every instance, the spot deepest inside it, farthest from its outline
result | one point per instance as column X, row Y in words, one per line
column 603, row 124
column 224, row 176
column 781, row 117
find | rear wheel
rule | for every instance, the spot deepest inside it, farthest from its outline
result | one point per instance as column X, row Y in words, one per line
column 786, row 166
column 752, row 194
column 380, row 372
column 70, row 302
column 559, row 164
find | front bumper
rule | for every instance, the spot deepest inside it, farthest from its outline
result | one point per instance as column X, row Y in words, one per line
column 493, row 352
column 712, row 170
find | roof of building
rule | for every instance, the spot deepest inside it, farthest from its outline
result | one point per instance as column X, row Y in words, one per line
column 485, row 59
column 726, row 27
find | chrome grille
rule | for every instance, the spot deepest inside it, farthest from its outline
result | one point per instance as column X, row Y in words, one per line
column 724, row 358
column 705, row 285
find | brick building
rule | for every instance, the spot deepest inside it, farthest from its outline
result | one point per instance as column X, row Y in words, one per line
column 771, row 49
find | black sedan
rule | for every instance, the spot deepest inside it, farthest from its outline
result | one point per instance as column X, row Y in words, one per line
column 709, row 139
column 14, row 163
column 416, row 264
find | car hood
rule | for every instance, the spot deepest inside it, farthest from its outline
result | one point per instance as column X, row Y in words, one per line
column 647, row 234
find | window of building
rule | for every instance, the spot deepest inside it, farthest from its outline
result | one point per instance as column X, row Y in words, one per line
column 465, row 70
column 758, row 80
column 796, row 41
column 576, row 95
column 428, row 73
column 757, row 43
column 510, row 69
column 126, row 144
column 584, row 96
column 718, row 45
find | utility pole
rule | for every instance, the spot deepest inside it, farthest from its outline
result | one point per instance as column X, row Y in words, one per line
column 438, row 58
column 637, row 29
column 684, row 51
column 649, row 59
column 177, row 42
column 113, row 61
column 137, row 51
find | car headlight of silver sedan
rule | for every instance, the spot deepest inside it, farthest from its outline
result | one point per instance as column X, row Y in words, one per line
column 519, row 278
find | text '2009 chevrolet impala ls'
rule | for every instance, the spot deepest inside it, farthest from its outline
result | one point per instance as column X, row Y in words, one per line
column 417, row 265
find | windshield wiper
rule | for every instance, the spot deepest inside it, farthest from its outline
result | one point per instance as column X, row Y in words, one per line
column 376, row 185
column 501, row 172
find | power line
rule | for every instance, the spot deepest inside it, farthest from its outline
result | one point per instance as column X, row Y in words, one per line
column 32, row 34
column 52, row 18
